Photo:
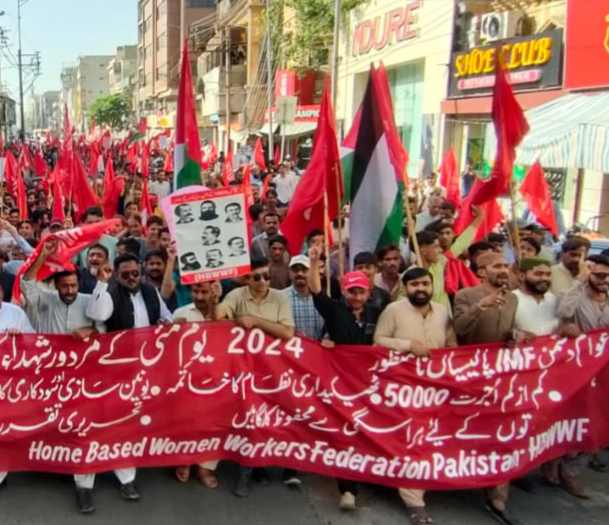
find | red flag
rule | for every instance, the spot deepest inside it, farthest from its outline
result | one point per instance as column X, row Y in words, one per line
column 277, row 156
column 146, row 205
column 265, row 187
column 228, row 172
column 510, row 128
column 168, row 167
column 307, row 210
column 84, row 196
column 212, row 155
column 112, row 193
column 536, row 193
column 25, row 157
column 247, row 186
column 145, row 162
column 143, row 125
column 48, row 138
column 41, row 168
column 493, row 215
column 109, row 174
column 69, row 244
column 449, row 177
column 58, row 204
column 21, row 192
column 259, row 155
column 10, row 173
column 93, row 168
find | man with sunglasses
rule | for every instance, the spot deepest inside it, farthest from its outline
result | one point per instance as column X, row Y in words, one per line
column 257, row 305
column 586, row 304
column 127, row 303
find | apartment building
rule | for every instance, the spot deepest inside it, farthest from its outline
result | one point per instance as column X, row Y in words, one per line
column 68, row 90
column 91, row 83
column 122, row 71
column 159, row 49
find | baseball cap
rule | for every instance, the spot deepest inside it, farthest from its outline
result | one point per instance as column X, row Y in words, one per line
column 356, row 280
column 56, row 221
column 300, row 259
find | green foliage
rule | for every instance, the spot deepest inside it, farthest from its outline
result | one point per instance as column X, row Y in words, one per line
column 305, row 41
column 111, row 110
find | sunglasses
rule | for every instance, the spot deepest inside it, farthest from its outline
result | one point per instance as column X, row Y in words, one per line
column 133, row 273
column 601, row 275
column 259, row 276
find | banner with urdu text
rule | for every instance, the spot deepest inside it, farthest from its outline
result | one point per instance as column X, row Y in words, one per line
column 161, row 396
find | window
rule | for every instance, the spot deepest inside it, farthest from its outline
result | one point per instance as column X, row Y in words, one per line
column 148, row 52
column 148, row 78
column 161, row 41
column 200, row 3
column 102, row 78
column 161, row 10
column 161, row 72
column 148, row 24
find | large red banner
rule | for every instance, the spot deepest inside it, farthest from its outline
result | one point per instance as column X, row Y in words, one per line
column 467, row 417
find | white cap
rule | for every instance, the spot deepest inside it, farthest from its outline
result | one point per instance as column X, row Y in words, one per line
column 301, row 259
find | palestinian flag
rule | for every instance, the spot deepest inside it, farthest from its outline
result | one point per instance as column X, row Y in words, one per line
column 374, row 163
column 187, row 152
column 141, row 131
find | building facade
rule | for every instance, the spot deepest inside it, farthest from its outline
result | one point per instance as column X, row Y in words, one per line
column 413, row 40
column 159, row 52
column 122, row 71
column 68, row 90
column 91, row 84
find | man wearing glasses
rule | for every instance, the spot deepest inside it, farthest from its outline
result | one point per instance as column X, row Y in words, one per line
column 129, row 303
column 257, row 305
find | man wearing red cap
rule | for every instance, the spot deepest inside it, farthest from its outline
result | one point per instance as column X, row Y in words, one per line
column 351, row 321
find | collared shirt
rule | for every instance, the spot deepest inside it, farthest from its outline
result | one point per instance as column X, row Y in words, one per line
column 342, row 326
column 562, row 280
column 160, row 189
column 424, row 219
column 102, row 306
column 191, row 313
column 476, row 326
column 285, row 187
column 56, row 317
column 105, row 240
column 306, row 318
column 577, row 305
column 401, row 323
column 539, row 318
column 393, row 292
column 12, row 317
column 275, row 307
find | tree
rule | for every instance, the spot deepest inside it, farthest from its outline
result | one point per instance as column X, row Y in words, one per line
column 306, row 41
column 111, row 110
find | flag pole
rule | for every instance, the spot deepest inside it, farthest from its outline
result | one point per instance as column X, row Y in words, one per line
column 327, row 242
column 410, row 220
column 341, row 249
column 516, row 237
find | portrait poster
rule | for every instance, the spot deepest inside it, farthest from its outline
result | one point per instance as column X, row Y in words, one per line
column 211, row 234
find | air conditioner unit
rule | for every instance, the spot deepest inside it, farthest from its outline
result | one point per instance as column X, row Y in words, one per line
column 498, row 26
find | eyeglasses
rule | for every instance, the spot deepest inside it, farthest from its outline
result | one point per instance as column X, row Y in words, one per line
column 601, row 275
column 133, row 273
column 259, row 276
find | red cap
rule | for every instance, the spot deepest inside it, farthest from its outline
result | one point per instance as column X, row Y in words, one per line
column 356, row 280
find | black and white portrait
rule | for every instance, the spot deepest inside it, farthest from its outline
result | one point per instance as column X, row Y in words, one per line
column 214, row 258
column 189, row 262
column 233, row 212
column 208, row 211
column 210, row 235
column 236, row 246
column 184, row 214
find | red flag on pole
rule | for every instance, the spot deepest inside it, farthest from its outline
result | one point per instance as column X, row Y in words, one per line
column 67, row 130
column 112, row 193
column 277, row 156
column 58, row 204
column 168, row 167
column 259, row 155
column 536, row 193
column 69, row 244
column 265, row 187
column 109, row 174
column 510, row 128
column 84, row 196
column 307, row 209
column 449, row 177
column 21, row 193
column 228, row 172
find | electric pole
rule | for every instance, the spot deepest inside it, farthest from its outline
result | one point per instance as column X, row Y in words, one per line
column 20, row 65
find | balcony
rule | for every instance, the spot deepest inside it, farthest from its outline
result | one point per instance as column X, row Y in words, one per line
column 231, row 11
column 212, row 85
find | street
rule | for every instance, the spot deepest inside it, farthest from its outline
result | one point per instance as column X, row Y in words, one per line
column 36, row 499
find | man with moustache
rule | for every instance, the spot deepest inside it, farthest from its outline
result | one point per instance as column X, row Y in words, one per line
column 571, row 266
column 416, row 325
column 486, row 314
column 97, row 256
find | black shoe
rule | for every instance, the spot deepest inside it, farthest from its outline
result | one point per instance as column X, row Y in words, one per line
column 241, row 487
column 129, row 492
column 597, row 465
column 4, row 483
column 84, row 497
column 503, row 516
column 525, row 483
column 261, row 476
column 290, row 478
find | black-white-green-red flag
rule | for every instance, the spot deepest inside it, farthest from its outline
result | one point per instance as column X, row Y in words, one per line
column 374, row 167
column 187, row 152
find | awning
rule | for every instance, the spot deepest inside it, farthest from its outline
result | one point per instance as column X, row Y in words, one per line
column 298, row 129
column 264, row 130
column 570, row 132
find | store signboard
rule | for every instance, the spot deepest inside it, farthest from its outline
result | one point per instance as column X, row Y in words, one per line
column 587, row 44
column 532, row 62
column 303, row 114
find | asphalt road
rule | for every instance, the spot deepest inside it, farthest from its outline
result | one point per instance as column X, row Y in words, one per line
column 37, row 499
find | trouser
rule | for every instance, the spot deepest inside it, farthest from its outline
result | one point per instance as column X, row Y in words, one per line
column 412, row 497
column 3, row 476
column 209, row 465
column 572, row 465
column 87, row 481
column 346, row 485
column 499, row 493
